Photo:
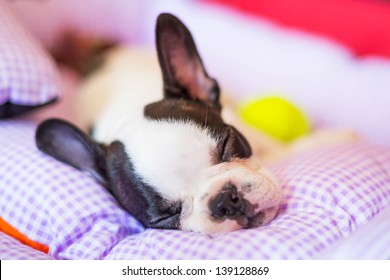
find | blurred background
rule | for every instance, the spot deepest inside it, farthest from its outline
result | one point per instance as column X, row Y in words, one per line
column 330, row 57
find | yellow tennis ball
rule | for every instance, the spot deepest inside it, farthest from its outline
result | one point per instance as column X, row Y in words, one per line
column 276, row 117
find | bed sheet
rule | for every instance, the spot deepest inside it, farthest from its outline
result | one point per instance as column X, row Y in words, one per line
column 328, row 194
column 370, row 242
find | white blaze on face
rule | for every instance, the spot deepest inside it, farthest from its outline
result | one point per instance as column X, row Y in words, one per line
column 168, row 154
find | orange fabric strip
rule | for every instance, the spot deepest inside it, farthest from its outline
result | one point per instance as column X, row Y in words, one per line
column 11, row 231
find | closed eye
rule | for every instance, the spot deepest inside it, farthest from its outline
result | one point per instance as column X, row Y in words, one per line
column 233, row 145
column 222, row 151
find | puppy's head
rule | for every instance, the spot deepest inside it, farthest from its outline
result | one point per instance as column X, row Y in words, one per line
column 177, row 165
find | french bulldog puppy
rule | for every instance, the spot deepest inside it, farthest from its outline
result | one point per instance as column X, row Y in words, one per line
column 163, row 145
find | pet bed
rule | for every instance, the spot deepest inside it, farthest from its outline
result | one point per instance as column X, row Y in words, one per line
column 330, row 194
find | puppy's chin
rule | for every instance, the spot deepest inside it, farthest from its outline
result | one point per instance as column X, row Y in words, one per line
column 205, row 223
column 207, row 226
column 258, row 192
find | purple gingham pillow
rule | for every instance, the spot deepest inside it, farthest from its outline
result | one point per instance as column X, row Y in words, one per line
column 328, row 194
column 28, row 76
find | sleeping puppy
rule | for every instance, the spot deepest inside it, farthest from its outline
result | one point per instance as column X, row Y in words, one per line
column 170, row 158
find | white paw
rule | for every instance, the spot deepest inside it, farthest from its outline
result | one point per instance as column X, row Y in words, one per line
column 324, row 137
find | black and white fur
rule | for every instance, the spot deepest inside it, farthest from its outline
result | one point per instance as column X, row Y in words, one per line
column 173, row 163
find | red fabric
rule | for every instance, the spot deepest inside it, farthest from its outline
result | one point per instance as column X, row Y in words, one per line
column 362, row 25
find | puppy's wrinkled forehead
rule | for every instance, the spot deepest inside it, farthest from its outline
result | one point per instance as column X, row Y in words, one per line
column 230, row 142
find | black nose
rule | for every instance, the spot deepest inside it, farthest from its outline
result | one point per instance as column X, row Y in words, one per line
column 227, row 203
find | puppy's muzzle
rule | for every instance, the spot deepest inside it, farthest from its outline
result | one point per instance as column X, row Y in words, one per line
column 228, row 203
column 231, row 204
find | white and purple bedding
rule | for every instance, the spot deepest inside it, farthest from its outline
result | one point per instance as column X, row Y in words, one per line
column 331, row 194
column 328, row 194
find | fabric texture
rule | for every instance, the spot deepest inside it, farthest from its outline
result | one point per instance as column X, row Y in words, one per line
column 11, row 249
column 13, row 232
column 28, row 77
column 328, row 194
column 370, row 242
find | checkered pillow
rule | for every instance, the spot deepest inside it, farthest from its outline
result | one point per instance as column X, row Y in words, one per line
column 328, row 194
column 27, row 75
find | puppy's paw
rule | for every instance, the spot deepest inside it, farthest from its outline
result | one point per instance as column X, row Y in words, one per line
column 335, row 136
column 324, row 137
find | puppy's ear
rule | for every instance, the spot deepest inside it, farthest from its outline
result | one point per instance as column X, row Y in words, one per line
column 183, row 72
column 68, row 144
